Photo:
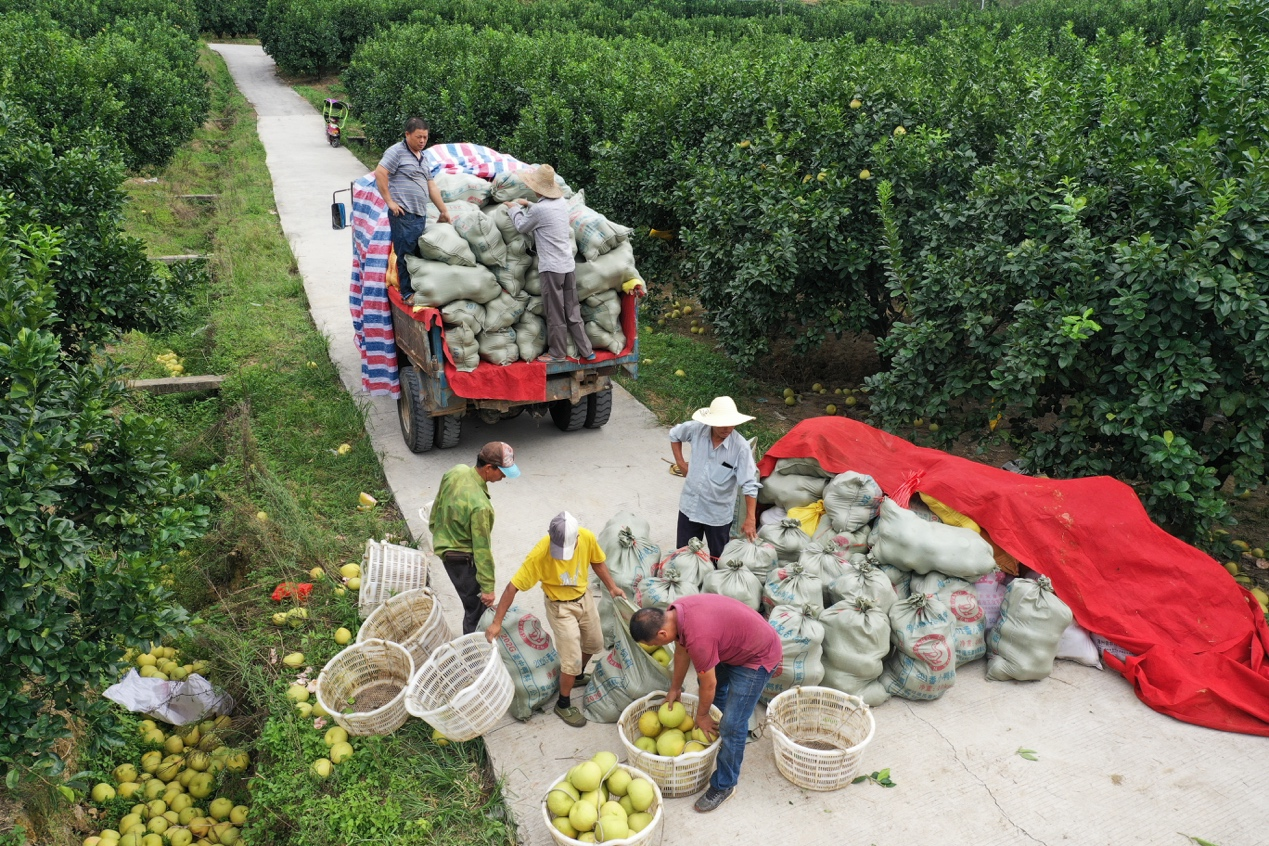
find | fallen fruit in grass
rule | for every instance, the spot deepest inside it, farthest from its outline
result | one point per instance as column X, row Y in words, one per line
column 262, row 516
column 350, row 570
column 679, row 373
column 343, row 636
column 934, row 427
column 103, row 792
column 830, row 409
column 341, row 752
column 1231, row 568
column 279, row 619
column 354, row 584
column 294, row 660
column 367, row 500
column 439, row 739
column 850, row 402
column 790, row 400
column 335, row 734
column 865, row 174
column 344, row 449
column 297, row 693
column 317, row 574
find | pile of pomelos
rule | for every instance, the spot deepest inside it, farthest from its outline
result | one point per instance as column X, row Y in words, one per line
column 173, row 790
column 600, row 801
column 163, row 662
column 670, row 731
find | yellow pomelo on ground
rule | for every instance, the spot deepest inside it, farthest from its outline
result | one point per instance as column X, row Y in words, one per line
column 618, row 783
column 147, row 660
column 583, row 816
column 638, row 821
column 156, row 808
column 129, row 822
column 125, row 772
column 170, row 769
column 350, row 570
column 354, row 583
column 341, row 752
column 238, row 816
column 318, row 710
column 200, row 786
column 158, row 825
column 174, row 745
column 279, row 619
column 188, row 814
column 103, row 792
column 150, row 761
column 343, row 637
column 649, row 724
column 200, row 826
column 154, row 736
column 641, row 794
column 180, row 802
column 180, row 837
column 294, row 660
column 335, row 734
column 152, row 839
column 196, row 762
column 220, row 808
column 304, row 709
column 321, row 767
column 128, row 789
column 670, row 743
column 230, row 836
column 297, row 693
column 586, row 777
column 155, row 787
column 317, row 574
column 237, row 762
column 172, row 817
column 439, row 739
column 671, row 715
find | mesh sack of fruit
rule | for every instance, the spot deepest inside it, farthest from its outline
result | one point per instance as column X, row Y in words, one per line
column 786, row 537
column 967, row 618
column 510, row 185
column 595, row 235
column 852, row 500
column 819, row 558
column 861, row 578
column 461, row 342
column 530, row 659
column 735, row 580
column 923, row 663
column 802, row 644
column 630, row 558
column 660, row 590
column 601, row 339
column 903, row 539
column 791, row 490
column 603, row 309
column 1024, row 643
column 498, row 346
column 463, row 187
column 758, row 557
column 504, row 310
column 856, row 642
column 692, row 562
column 480, row 232
column 791, row 585
column 530, row 336
column 437, row 284
column 441, row 242
column 607, row 272
column 801, row 467
column 626, row 673
column 464, row 313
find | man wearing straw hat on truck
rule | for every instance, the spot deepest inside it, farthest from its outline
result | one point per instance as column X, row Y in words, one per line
column 721, row 462
column 560, row 562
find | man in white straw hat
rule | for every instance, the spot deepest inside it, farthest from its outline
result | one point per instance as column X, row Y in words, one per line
column 547, row 219
column 721, row 462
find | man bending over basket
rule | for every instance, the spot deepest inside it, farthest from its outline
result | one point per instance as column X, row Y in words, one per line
column 735, row 652
column 561, row 562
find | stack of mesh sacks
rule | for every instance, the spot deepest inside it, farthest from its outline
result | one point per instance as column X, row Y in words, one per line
column 480, row 272
column 906, row 597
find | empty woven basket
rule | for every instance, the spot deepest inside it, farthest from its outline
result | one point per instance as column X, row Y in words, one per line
column 412, row 619
column 819, row 735
column 463, row 689
column 363, row 687
column 388, row 569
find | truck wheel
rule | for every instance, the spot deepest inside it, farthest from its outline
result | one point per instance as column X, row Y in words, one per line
column 449, row 429
column 569, row 417
column 416, row 427
column 598, row 409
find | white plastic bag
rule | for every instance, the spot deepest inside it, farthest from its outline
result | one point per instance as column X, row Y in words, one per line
column 856, row 642
column 692, row 563
column 735, row 580
column 852, row 500
column 177, row 702
column 802, row 645
column 1077, row 646
column 903, row 539
column 758, row 556
column 786, row 537
column 1024, row 643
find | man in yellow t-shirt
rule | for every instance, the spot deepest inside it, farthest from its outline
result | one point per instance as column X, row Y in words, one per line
column 560, row 563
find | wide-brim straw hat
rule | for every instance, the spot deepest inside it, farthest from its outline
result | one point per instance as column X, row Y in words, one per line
column 542, row 180
column 721, row 412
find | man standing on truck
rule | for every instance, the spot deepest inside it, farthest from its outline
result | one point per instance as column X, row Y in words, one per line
column 547, row 219
column 462, row 527
column 405, row 183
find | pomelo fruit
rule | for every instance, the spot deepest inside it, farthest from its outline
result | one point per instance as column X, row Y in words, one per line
column 618, row 783
column 649, row 724
column 125, row 772
column 103, row 792
column 641, row 794
column 671, row 714
column 564, row 827
column 627, row 806
column 341, row 752
column 583, row 816
column 611, row 808
column 607, row 762
column 647, row 744
column 238, row 816
column 586, row 777
column 611, row 828
column 638, row 821
column 335, row 734
column 321, row 767
column 559, row 803
column 220, row 808
column 670, row 743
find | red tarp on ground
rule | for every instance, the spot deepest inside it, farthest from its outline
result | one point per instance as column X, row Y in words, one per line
column 522, row 381
column 1200, row 639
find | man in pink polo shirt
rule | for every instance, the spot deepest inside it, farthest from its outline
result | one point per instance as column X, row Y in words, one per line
column 734, row 652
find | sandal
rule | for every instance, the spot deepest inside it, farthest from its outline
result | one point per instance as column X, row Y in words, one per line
column 546, row 358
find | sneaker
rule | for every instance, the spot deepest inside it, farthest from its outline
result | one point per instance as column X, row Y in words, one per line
column 571, row 715
column 589, row 358
column 581, row 680
column 712, row 798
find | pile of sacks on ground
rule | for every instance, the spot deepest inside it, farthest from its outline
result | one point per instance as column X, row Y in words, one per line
column 482, row 274
column 868, row 597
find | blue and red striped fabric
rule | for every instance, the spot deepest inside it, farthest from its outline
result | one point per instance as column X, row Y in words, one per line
column 368, row 291
column 484, row 162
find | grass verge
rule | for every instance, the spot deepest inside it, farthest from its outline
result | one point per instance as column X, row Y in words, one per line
column 286, row 507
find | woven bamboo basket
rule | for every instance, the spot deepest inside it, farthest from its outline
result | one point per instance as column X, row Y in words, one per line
column 463, row 689
column 819, row 735
column 388, row 569
column 412, row 619
column 682, row 775
column 654, row 829
column 363, row 687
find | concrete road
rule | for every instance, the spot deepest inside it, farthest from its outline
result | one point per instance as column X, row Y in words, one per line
column 1109, row 770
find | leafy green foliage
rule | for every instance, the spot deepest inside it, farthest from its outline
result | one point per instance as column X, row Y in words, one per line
column 878, row 777
column 94, row 509
column 229, row 17
column 133, row 84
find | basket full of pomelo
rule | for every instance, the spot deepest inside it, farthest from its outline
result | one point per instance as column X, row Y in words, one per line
column 663, row 741
column 601, row 801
